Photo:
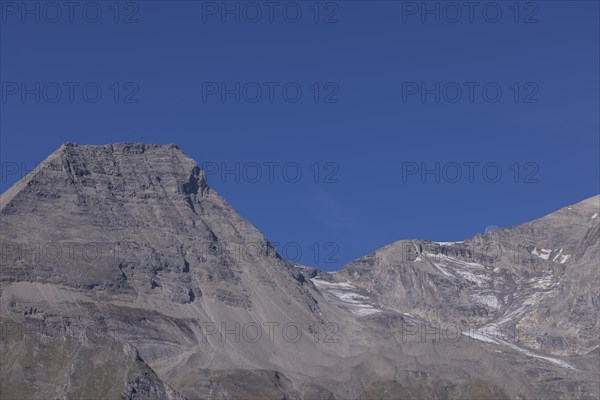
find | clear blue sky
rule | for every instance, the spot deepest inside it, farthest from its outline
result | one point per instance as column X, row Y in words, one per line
column 370, row 130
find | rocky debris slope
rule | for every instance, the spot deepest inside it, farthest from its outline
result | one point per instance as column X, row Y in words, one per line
column 38, row 366
column 539, row 279
column 129, row 241
column 533, row 289
column 124, row 275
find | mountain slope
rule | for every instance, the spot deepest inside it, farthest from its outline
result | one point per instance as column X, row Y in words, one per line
column 120, row 261
column 539, row 278
column 130, row 234
column 532, row 289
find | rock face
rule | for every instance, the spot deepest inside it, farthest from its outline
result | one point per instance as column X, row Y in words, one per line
column 540, row 279
column 124, row 275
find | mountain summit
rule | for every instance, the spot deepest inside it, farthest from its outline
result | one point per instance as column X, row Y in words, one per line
column 124, row 275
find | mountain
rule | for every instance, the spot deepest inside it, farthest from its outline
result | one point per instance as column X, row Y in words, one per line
column 539, row 278
column 124, row 275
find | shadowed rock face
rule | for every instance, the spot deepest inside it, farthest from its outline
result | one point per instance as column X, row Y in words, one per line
column 124, row 275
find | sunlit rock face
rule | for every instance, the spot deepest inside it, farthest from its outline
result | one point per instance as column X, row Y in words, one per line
column 124, row 275
column 540, row 278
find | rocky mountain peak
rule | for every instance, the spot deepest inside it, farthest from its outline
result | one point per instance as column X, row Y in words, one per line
column 153, row 226
column 121, row 170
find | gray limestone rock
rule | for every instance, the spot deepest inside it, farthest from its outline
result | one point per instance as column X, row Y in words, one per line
column 124, row 275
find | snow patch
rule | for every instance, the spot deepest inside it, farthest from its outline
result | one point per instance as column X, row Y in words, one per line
column 440, row 267
column 476, row 279
column 542, row 283
column 445, row 258
column 452, row 267
column 364, row 311
column 544, row 254
column 559, row 253
column 487, row 300
column 349, row 297
column 493, row 336
column 341, row 294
